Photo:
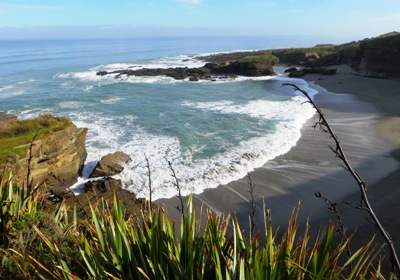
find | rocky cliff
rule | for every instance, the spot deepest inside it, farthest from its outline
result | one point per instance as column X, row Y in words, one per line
column 59, row 157
column 56, row 156
column 52, row 150
column 379, row 57
column 374, row 57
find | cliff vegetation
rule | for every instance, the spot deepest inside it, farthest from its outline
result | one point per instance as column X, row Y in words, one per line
column 107, row 244
column 16, row 135
column 374, row 57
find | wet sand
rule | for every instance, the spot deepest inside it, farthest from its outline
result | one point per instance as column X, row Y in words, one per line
column 364, row 113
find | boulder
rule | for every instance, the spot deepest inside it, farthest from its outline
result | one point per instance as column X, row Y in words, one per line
column 103, row 185
column 110, row 165
column 57, row 159
column 297, row 73
column 289, row 70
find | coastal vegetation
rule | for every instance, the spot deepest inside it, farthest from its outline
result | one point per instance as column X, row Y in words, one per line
column 16, row 135
column 107, row 244
column 66, row 241
column 42, row 240
column 267, row 59
column 375, row 57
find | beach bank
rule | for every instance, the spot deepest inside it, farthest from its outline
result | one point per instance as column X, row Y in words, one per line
column 363, row 113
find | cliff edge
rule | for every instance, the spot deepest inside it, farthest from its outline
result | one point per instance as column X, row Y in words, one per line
column 48, row 148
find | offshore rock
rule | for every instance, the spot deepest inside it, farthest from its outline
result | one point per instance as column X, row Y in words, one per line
column 103, row 185
column 210, row 71
column 295, row 73
column 110, row 165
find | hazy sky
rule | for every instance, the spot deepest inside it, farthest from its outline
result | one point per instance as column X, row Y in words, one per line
column 350, row 19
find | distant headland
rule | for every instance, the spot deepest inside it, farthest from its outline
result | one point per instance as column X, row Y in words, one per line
column 375, row 57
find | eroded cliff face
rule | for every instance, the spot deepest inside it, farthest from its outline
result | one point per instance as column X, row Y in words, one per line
column 57, row 158
column 380, row 62
column 379, row 57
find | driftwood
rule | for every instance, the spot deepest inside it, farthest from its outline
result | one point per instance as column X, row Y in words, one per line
column 364, row 203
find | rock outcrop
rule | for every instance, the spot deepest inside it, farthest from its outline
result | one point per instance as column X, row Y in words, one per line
column 110, row 165
column 379, row 57
column 103, row 185
column 294, row 72
column 210, row 71
column 56, row 157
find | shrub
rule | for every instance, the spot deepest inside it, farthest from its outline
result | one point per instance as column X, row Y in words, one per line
column 267, row 59
column 116, row 248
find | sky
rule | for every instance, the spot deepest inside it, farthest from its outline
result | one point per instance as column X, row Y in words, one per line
column 55, row 19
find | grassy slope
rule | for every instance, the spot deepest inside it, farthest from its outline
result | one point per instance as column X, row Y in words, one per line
column 16, row 135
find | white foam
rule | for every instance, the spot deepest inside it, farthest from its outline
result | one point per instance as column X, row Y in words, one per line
column 112, row 100
column 106, row 135
column 88, row 88
column 7, row 87
column 89, row 76
column 271, row 110
column 12, row 93
column 73, row 104
column 15, row 89
column 162, row 63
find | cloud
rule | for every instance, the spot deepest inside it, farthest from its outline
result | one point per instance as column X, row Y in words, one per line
column 190, row 2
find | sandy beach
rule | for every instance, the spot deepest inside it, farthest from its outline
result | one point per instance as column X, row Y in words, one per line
column 364, row 113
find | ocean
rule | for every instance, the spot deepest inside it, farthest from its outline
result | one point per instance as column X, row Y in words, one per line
column 211, row 132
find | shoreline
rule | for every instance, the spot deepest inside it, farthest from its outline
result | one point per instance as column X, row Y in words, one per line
column 365, row 124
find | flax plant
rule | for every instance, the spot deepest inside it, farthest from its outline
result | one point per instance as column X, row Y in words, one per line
column 113, row 246
column 15, row 201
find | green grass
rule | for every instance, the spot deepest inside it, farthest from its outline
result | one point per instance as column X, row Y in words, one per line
column 268, row 59
column 15, row 136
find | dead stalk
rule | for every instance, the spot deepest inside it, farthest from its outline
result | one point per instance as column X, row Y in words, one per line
column 149, row 176
column 177, row 185
column 253, row 204
column 364, row 201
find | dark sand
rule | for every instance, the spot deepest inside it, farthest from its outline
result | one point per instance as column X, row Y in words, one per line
column 365, row 114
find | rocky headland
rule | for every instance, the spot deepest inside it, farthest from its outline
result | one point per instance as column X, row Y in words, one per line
column 51, row 151
column 251, row 66
column 52, row 155
column 375, row 57
column 372, row 57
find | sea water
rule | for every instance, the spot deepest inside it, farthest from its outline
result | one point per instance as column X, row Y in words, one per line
column 210, row 133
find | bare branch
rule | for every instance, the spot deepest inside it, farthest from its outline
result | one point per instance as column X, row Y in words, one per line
column 332, row 207
column 177, row 185
column 149, row 176
column 361, row 185
column 253, row 204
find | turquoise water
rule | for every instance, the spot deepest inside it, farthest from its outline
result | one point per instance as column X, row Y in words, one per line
column 212, row 132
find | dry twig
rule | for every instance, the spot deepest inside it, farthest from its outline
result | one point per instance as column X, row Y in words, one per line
column 253, row 204
column 177, row 185
column 364, row 201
